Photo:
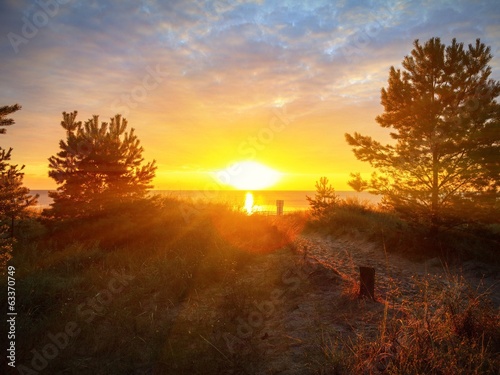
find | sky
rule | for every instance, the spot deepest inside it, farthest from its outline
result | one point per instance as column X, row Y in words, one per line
column 207, row 84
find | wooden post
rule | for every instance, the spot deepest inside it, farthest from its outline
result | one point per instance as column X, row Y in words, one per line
column 279, row 207
column 367, row 282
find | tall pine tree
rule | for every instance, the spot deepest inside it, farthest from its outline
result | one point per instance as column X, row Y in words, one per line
column 5, row 111
column 14, row 197
column 99, row 165
column 5, row 121
column 441, row 107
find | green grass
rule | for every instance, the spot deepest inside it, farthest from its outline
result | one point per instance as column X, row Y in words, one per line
column 64, row 275
column 152, row 289
column 355, row 218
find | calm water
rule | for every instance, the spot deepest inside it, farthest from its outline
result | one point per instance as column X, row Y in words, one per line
column 258, row 200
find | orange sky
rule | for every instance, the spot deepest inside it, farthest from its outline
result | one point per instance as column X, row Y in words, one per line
column 207, row 84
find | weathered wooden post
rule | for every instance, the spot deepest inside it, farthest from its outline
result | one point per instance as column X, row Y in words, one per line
column 367, row 282
column 279, row 206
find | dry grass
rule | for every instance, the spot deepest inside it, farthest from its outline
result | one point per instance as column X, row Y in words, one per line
column 190, row 279
column 453, row 330
column 352, row 217
column 168, row 315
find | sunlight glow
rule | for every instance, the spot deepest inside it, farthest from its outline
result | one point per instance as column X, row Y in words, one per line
column 249, row 175
column 249, row 203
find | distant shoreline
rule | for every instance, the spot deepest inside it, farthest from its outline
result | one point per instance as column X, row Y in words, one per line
column 295, row 200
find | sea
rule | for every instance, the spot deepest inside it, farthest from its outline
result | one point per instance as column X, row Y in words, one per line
column 264, row 201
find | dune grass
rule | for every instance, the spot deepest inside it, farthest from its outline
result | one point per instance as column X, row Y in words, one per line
column 123, row 278
column 446, row 328
column 156, row 287
column 453, row 330
column 352, row 217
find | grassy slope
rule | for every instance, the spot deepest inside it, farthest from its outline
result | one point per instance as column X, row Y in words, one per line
column 170, row 289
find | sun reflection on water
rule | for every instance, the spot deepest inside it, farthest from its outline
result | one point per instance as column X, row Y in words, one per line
column 250, row 207
column 249, row 203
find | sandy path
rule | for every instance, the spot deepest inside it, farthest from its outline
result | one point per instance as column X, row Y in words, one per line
column 323, row 304
column 301, row 299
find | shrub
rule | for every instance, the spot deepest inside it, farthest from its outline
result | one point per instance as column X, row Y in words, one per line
column 324, row 200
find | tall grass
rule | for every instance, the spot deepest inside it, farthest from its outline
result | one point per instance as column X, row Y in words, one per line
column 153, row 287
column 447, row 329
column 164, row 259
column 352, row 217
column 454, row 330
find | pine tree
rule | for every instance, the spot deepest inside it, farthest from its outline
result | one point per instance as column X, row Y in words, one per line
column 14, row 197
column 441, row 108
column 4, row 121
column 324, row 200
column 99, row 165
column 4, row 112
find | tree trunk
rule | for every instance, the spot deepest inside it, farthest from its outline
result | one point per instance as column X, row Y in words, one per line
column 435, row 193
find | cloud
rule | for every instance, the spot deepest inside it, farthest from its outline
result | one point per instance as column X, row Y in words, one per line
column 228, row 65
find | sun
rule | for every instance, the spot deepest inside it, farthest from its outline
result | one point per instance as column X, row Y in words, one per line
column 249, row 175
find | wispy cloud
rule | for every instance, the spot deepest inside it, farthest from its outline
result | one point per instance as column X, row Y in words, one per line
column 226, row 65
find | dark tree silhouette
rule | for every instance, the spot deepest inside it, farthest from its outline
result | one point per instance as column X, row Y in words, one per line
column 444, row 119
column 6, row 111
column 99, row 165
column 14, row 197
column 4, row 121
column 324, row 199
